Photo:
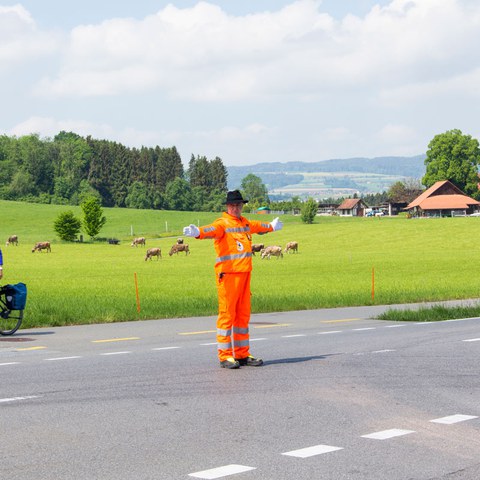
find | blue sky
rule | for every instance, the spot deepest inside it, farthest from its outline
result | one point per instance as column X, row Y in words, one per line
column 248, row 81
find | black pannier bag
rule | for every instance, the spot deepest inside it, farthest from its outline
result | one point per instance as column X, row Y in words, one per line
column 15, row 296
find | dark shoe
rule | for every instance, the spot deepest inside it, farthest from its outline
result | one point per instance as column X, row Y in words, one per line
column 230, row 363
column 250, row 361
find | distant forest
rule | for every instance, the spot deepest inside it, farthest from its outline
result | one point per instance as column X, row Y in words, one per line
column 69, row 168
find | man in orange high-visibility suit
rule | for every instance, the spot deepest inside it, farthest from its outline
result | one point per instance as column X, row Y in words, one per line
column 232, row 235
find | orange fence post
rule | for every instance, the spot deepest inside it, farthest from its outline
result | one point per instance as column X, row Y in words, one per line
column 136, row 292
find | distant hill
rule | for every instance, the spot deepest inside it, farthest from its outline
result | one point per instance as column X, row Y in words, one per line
column 331, row 177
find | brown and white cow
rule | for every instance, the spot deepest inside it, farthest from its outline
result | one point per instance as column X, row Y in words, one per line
column 39, row 246
column 139, row 241
column 291, row 247
column 183, row 247
column 12, row 240
column 274, row 250
column 153, row 252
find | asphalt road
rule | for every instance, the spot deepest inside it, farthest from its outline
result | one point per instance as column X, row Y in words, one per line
column 341, row 396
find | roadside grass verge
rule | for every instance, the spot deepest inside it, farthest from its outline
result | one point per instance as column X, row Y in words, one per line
column 435, row 313
column 414, row 260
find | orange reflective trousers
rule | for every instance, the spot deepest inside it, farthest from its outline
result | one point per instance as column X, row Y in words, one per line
column 233, row 315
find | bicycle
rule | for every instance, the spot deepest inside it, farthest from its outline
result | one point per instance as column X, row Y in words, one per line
column 12, row 303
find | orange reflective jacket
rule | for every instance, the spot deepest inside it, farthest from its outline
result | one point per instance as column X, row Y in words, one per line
column 233, row 241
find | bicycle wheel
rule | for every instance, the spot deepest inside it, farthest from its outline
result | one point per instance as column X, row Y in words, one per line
column 10, row 321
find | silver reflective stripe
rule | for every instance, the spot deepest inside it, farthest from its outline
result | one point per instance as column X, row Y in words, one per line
column 242, row 343
column 241, row 331
column 224, row 333
column 237, row 229
column 224, row 346
column 208, row 229
column 236, row 256
column 266, row 225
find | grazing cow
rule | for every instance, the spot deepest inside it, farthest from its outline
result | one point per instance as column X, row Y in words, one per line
column 153, row 252
column 12, row 240
column 291, row 247
column 183, row 247
column 274, row 250
column 257, row 247
column 138, row 241
column 39, row 246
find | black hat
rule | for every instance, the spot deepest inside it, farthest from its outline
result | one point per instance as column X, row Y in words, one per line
column 234, row 197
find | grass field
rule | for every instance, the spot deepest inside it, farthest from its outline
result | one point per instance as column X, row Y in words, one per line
column 414, row 260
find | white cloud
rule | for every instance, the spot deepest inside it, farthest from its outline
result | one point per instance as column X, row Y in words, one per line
column 49, row 127
column 20, row 39
column 201, row 53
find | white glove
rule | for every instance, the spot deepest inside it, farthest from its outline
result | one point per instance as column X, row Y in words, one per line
column 191, row 231
column 276, row 224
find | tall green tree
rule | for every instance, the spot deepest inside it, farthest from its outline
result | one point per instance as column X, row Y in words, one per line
column 168, row 167
column 93, row 219
column 218, row 174
column 178, row 195
column 100, row 169
column 199, row 172
column 453, row 156
column 138, row 196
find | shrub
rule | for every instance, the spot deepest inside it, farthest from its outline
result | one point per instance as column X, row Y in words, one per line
column 67, row 226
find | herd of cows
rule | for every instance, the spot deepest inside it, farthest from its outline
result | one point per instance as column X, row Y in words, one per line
column 179, row 246
column 265, row 252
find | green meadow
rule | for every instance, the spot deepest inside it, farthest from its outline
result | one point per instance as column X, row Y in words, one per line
column 341, row 262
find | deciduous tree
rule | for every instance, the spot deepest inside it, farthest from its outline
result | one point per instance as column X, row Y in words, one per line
column 309, row 210
column 93, row 219
column 453, row 156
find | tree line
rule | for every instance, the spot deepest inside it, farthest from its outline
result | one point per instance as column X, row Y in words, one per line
column 69, row 168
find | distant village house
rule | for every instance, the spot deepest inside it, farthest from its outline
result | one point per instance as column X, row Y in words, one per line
column 352, row 207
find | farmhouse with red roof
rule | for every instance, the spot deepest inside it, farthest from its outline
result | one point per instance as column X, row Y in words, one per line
column 443, row 199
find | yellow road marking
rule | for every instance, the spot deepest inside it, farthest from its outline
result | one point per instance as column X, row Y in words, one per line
column 115, row 340
column 197, row 333
column 30, row 348
column 343, row 320
column 272, row 326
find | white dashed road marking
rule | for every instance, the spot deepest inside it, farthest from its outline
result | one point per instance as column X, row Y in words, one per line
column 165, row 348
column 312, row 451
column 394, row 326
column 9, row 363
column 363, row 329
column 221, row 471
column 472, row 340
column 293, row 336
column 453, row 419
column 327, row 333
column 61, row 358
column 15, row 399
column 114, row 353
column 386, row 434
